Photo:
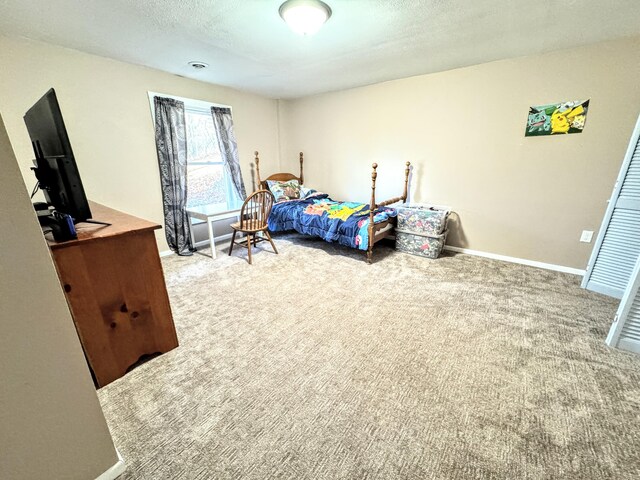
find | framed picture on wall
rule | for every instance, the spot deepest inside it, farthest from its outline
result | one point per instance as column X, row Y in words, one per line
column 557, row 118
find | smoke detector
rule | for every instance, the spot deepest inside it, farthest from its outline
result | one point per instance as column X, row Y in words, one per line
column 198, row 65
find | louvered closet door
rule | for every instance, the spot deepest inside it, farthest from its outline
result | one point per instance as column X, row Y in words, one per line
column 618, row 244
column 625, row 331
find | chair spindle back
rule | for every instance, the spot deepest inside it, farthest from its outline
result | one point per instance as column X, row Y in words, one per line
column 256, row 209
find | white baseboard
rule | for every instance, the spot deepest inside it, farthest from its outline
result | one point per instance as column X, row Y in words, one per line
column 115, row 471
column 522, row 261
column 221, row 238
column 203, row 243
column 477, row 253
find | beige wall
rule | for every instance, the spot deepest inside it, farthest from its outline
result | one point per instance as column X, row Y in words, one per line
column 50, row 420
column 463, row 130
column 108, row 117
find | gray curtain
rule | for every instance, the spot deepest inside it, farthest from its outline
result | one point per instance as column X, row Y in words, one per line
column 223, row 124
column 171, row 144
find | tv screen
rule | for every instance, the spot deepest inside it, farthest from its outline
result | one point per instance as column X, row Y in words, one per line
column 56, row 168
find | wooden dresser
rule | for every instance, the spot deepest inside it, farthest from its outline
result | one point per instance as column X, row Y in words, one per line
column 113, row 280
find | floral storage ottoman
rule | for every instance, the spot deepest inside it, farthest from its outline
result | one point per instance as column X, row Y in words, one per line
column 422, row 229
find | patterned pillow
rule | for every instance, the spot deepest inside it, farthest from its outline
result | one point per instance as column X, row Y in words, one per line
column 305, row 191
column 288, row 190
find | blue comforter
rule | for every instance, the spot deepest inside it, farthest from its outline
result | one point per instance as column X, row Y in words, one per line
column 343, row 222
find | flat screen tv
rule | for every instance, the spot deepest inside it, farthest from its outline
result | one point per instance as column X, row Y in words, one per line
column 55, row 165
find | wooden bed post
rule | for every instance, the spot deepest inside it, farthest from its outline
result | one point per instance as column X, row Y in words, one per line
column 301, row 174
column 257, row 160
column 372, row 208
column 406, row 181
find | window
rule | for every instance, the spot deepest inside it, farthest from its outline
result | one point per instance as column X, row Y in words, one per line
column 208, row 181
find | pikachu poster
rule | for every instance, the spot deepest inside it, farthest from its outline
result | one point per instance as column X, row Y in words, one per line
column 557, row 118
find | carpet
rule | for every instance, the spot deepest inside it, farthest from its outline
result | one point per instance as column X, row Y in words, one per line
column 312, row 364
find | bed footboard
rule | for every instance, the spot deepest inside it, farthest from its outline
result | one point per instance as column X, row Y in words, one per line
column 383, row 229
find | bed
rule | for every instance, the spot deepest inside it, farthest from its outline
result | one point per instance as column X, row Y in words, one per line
column 351, row 224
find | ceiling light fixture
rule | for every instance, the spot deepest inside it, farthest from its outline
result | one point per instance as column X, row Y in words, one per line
column 305, row 17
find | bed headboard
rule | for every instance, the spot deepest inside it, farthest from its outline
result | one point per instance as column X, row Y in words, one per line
column 279, row 177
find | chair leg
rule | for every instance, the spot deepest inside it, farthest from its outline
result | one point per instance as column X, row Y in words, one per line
column 249, row 246
column 233, row 239
column 266, row 232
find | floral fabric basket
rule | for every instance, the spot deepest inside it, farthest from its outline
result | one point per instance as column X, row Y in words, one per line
column 422, row 229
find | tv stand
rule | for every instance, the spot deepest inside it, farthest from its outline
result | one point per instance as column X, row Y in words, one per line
column 112, row 278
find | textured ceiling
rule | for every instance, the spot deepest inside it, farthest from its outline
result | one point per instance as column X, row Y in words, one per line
column 249, row 47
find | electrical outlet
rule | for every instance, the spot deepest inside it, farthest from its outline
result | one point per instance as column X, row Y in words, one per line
column 586, row 236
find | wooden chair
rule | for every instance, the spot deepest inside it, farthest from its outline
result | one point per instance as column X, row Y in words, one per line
column 253, row 220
